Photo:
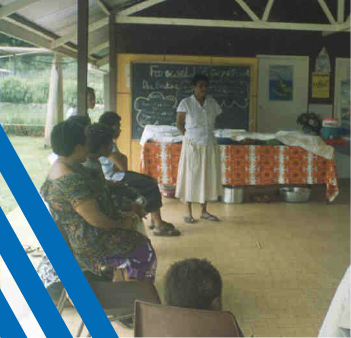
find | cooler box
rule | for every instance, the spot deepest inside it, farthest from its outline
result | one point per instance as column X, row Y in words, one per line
column 331, row 132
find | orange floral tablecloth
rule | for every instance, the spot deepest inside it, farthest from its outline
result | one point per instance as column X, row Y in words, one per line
column 248, row 165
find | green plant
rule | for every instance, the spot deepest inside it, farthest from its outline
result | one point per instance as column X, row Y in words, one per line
column 14, row 90
column 39, row 89
column 23, row 130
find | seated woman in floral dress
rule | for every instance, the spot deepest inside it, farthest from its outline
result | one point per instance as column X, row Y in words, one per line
column 99, row 235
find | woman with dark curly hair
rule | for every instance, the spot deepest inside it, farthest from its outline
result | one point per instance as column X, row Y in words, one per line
column 99, row 235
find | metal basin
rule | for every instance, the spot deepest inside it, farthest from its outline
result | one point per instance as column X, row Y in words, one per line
column 233, row 194
column 295, row 194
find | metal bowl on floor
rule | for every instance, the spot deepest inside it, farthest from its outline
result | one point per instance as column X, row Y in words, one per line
column 295, row 194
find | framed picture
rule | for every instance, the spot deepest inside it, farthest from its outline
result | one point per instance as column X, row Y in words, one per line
column 280, row 83
column 320, row 85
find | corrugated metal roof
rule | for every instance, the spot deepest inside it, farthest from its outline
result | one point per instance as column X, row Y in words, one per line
column 52, row 24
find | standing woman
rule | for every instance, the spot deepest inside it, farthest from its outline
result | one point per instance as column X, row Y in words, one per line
column 199, row 172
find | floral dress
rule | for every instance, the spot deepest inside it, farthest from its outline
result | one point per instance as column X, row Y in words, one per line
column 94, row 248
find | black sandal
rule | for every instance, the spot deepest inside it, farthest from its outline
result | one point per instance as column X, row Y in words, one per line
column 165, row 224
column 166, row 232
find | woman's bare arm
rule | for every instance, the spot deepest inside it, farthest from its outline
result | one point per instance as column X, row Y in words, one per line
column 181, row 122
column 119, row 160
column 90, row 210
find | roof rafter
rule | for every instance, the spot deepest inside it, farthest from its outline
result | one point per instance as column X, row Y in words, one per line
column 341, row 10
column 140, row 6
column 327, row 12
column 103, row 7
column 230, row 24
column 248, row 10
column 267, row 10
column 92, row 27
column 15, row 7
column 98, row 47
column 103, row 61
column 21, row 31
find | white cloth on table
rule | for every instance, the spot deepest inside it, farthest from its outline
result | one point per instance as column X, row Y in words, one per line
column 253, row 136
column 314, row 144
column 161, row 133
column 311, row 143
column 337, row 320
column 228, row 133
column 200, row 120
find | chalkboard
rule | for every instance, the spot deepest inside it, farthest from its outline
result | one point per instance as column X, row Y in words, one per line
column 158, row 88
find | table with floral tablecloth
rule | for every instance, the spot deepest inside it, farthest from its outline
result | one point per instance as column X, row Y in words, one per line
column 248, row 165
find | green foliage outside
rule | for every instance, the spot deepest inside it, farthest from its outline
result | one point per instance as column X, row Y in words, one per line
column 34, row 157
column 36, row 90
column 23, row 130
column 24, row 94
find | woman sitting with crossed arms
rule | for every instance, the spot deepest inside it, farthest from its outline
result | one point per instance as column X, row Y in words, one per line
column 99, row 235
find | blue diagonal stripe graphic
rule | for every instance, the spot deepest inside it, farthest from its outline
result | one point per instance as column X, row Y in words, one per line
column 29, row 282
column 52, row 242
column 9, row 326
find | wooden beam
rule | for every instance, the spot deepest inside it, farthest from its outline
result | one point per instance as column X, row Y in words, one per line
column 341, row 11
column 267, row 10
column 227, row 23
column 71, row 36
column 15, row 7
column 20, row 32
column 103, row 61
column 248, row 10
column 82, row 74
column 140, row 7
column 99, row 47
column 327, row 12
column 344, row 26
column 103, row 7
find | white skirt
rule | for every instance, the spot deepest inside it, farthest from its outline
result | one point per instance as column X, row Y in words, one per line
column 199, row 173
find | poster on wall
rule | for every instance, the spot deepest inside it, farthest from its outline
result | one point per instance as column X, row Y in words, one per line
column 320, row 85
column 280, row 83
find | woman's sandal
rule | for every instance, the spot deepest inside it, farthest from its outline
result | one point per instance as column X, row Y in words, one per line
column 164, row 223
column 210, row 217
column 166, row 232
column 189, row 219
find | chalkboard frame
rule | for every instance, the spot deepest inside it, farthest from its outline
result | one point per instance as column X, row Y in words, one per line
column 216, row 62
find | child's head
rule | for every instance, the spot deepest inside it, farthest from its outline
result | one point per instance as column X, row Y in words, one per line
column 193, row 283
column 113, row 120
column 99, row 139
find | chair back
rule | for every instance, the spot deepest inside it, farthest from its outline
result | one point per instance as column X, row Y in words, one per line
column 168, row 321
column 118, row 298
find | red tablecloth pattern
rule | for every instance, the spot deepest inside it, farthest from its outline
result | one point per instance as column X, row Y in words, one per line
column 248, row 165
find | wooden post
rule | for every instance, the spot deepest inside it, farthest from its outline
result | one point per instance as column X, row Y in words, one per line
column 113, row 63
column 107, row 92
column 54, row 113
column 83, row 22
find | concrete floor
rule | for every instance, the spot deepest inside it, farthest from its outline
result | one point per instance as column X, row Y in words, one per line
column 280, row 262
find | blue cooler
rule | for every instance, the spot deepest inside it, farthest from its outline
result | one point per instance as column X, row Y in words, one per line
column 331, row 132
